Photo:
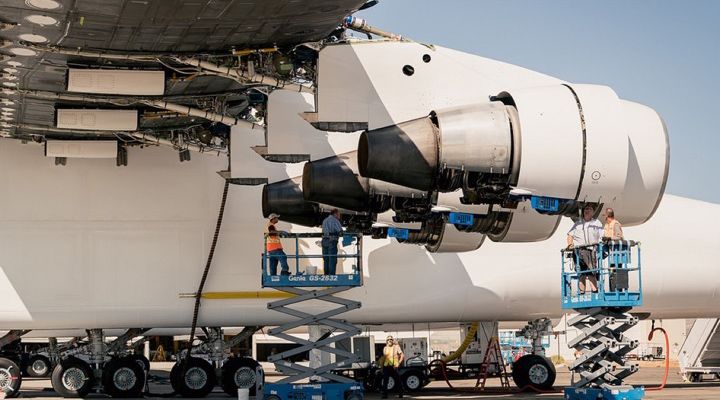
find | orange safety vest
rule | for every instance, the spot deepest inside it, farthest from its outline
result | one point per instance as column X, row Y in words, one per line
column 272, row 242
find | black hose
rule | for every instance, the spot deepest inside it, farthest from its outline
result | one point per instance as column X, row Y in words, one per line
column 198, row 294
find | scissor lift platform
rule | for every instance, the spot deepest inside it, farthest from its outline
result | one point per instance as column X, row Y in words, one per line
column 306, row 286
column 602, row 318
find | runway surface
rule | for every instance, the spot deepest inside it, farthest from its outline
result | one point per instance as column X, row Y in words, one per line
column 650, row 375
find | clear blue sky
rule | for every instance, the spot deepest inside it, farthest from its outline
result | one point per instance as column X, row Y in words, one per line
column 665, row 54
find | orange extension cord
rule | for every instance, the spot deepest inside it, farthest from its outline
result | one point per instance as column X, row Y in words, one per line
column 667, row 358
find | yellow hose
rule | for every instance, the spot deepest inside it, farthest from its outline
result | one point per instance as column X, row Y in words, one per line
column 464, row 345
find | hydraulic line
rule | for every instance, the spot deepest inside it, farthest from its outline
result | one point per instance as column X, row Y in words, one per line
column 211, row 254
column 667, row 358
column 464, row 345
column 198, row 295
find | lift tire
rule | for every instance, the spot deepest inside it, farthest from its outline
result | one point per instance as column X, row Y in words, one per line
column 239, row 373
column 392, row 385
column 193, row 377
column 353, row 395
column 123, row 377
column 412, row 380
column 10, row 378
column 72, row 377
column 38, row 366
column 140, row 360
column 533, row 370
column 695, row 377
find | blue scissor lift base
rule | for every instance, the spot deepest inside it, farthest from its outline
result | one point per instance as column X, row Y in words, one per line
column 635, row 393
column 313, row 391
column 311, row 287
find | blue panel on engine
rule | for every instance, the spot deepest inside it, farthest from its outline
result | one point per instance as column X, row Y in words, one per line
column 457, row 218
column 545, row 203
column 398, row 233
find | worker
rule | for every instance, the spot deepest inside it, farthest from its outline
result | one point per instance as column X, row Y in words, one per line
column 390, row 362
column 274, row 247
column 613, row 233
column 331, row 232
column 613, row 228
column 584, row 236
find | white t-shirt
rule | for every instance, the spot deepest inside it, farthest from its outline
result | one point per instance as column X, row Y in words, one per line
column 586, row 232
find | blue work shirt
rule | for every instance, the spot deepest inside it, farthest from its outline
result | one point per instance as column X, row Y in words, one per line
column 331, row 227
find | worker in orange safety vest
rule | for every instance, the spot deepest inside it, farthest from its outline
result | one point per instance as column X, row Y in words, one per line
column 274, row 247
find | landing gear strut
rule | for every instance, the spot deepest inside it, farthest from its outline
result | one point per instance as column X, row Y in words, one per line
column 535, row 369
column 197, row 375
column 100, row 367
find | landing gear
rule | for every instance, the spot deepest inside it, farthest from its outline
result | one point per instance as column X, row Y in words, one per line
column 239, row 373
column 141, row 360
column 10, row 378
column 533, row 370
column 72, row 377
column 38, row 366
column 193, row 377
column 123, row 377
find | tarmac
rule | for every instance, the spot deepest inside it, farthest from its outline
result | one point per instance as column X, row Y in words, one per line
column 650, row 375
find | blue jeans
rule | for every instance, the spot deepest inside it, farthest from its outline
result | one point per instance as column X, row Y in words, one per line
column 330, row 250
column 275, row 256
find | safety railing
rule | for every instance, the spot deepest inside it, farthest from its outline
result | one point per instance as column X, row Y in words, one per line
column 312, row 272
column 606, row 274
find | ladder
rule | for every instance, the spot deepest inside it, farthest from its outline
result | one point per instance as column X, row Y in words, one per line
column 493, row 350
column 306, row 287
column 602, row 318
column 700, row 352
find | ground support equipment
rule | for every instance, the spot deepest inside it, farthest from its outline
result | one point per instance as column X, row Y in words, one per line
column 602, row 318
column 315, row 288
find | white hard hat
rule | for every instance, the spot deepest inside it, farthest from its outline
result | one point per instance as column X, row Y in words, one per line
column 273, row 216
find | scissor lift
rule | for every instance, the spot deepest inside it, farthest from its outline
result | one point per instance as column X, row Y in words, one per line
column 306, row 287
column 603, row 318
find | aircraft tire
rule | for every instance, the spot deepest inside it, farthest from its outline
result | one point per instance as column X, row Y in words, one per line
column 10, row 378
column 193, row 377
column 123, row 377
column 72, row 377
column 533, row 370
column 141, row 360
column 239, row 373
column 38, row 366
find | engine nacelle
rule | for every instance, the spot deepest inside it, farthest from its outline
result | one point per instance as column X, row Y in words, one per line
column 578, row 143
column 441, row 237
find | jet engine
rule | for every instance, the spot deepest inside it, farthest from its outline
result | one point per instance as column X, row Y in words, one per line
column 437, row 236
column 336, row 182
column 573, row 143
column 286, row 199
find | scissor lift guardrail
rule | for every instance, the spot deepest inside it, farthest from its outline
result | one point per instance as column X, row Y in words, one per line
column 603, row 317
column 313, row 287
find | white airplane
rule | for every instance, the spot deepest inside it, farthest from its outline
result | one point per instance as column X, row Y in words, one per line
column 396, row 133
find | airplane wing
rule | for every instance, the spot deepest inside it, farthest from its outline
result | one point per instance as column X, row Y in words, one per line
column 216, row 31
